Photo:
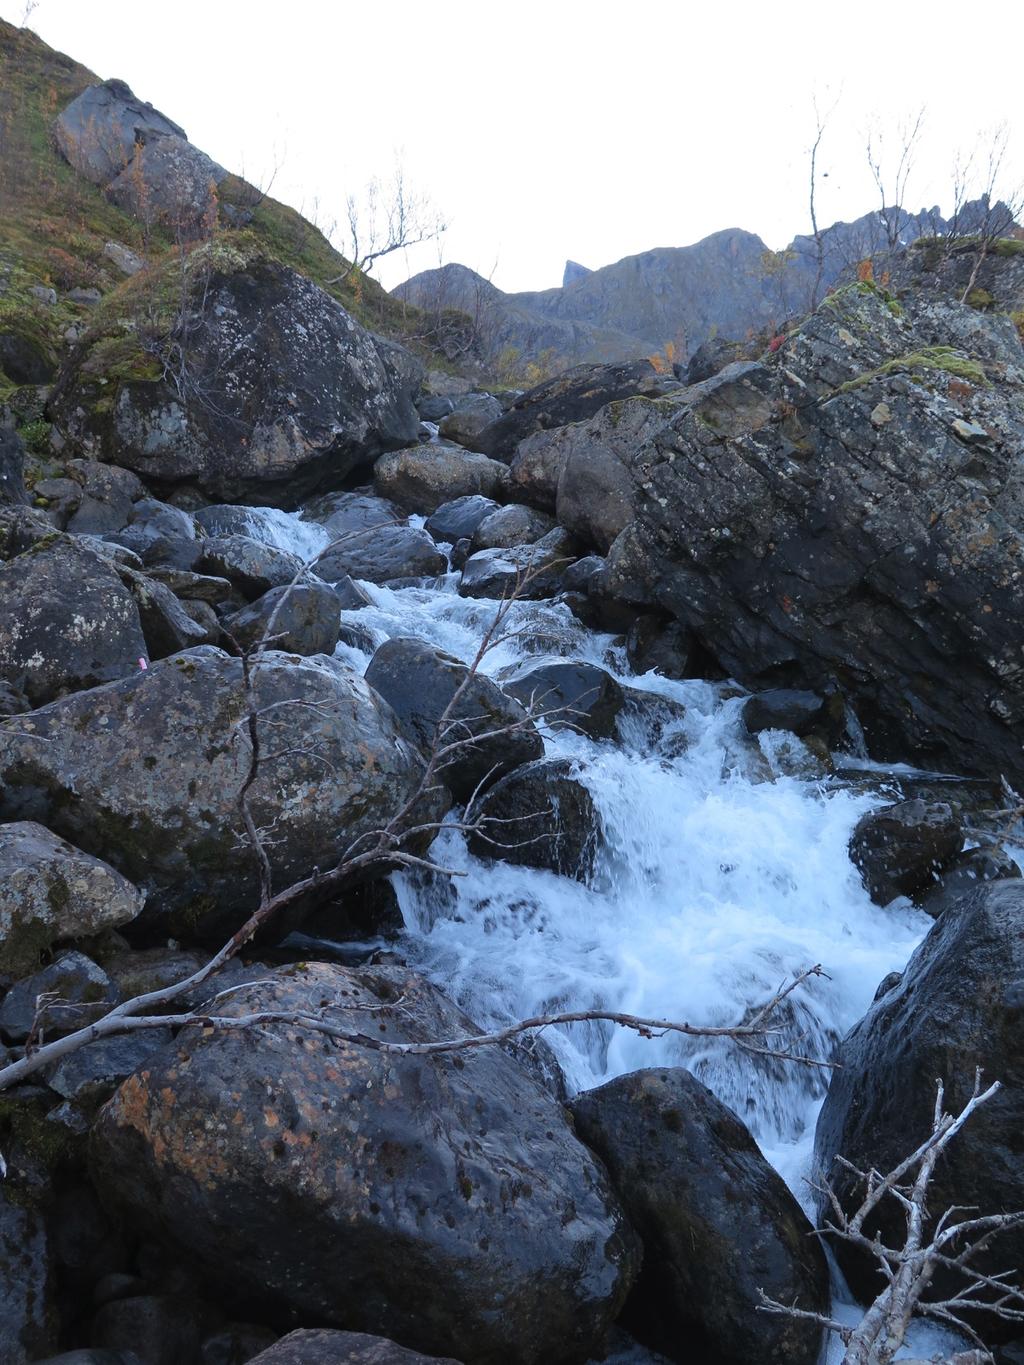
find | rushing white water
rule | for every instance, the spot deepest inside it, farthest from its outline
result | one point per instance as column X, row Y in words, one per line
column 722, row 875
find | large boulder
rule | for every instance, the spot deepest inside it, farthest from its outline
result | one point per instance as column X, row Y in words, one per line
column 387, row 553
column 338, row 513
column 471, row 415
column 420, row 682
column 146, row 772
column 323, row 1346
column 852, row 510
column 902, row 848
column 28, row 1289
column 510, row 526
column 51, row 892
column 286, row 392
column 252, row 566
column 421, row 478
column 955, row 1008
column 578, row 696
column 441, row 1201
column 12, row 465
column 572, row 396
column 530, row 572
column 67, row 623
column 300, row 619
column 717, row 1224
column 540, row 815
column 458, row 519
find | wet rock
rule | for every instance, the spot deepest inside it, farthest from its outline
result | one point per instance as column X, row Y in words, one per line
column 575, row 695
column 321, row 1346
column 386, row 554
column 716, row 1222
column 250, row 565
column 458, row 519
column 956, row 1008
column 472, row 413
column 443, row 1203
column 422, row 478
column 288, row 393
column 51, row 892
column 511, row 526
column 148, row 770
column 79, row 992
column 900, row 849
column 162, row 1329
column 28, row 1303
column 68, row 623
column 236, row 1344
column 302, row 619
column 656, row 645
column 963, row 873
column 432, row 407
column 801, row 713
column 531, row 572
column 341, row 512
column 543, row 817
column 419, row 682
column 571, row 397
column 91, row 1075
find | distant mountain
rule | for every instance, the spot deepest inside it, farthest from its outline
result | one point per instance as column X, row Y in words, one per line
column 727, row 285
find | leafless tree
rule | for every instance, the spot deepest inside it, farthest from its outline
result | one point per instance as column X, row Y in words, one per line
column 949, row 1245
column 891, row 172
column 389, row 216
column 390, row 846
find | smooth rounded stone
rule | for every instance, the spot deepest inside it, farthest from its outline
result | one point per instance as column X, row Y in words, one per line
column 577, row 696
column 251, row 565
column 164, row 1329
column 531, row 572
column 274, row 359
column 800, row 712
column 166, row 533
column 510, row 526
column 236, row 1344
column 221, row 519
column 716, row 1221
column 80, row 990
column 963, row 873
column 956, row 1008
column 419, row 682
column 433, row 407
column 322, row 1346
column 570, row 397
column 542, row 816
column 440, row 1201
column 148, row 770
column 341, row 512
column 900, row 849
column 51, row 892
column 68, row 623
column 458, row 519
column 582, row 576
column 471, row 414
column 389, row 553
column 90, row 1076
column 299, row 619
column 422, row 478
column 656, row 645
column 28, row 1287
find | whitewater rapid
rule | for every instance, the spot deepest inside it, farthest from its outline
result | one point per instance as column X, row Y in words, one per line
column 723, row 873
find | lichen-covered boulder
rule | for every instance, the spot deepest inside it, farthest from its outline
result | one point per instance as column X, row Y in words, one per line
column 251, row 565
column 717, row 1224
column 299, row 619
column 421, row 478
column 471, row 414
column 51, row 892
column 442, row 1201
column 146, row 773
column 382, row 555
column 286, row 392
column 67, row 622
column 511, row 526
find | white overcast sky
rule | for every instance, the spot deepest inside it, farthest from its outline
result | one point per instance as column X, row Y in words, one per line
column 548, row 129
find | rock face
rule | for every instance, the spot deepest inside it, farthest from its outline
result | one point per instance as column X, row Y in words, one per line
column 445, row 1204
column 287, row 393
column 422, row 478
column 51, row 892
column 147, row 771
column 570, row 398
column 851, row 511
column 901, row 849
column 716, row 1222
column 544, row 817
column 956, row 1007
column 68, row 622
column 419, row 683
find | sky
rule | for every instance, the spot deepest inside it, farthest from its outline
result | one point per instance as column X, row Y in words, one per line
column 547, row 131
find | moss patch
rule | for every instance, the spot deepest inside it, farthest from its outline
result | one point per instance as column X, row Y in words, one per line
column 943, row 359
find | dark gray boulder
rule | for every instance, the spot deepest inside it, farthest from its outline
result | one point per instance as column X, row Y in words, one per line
column 341, row 512
column 571, row 397
column 322, row 1346
column 68, row 622
column 963, row 873
column 531, row 572
column 471, row 414
column 419, row 682
column 164, row 1329
column 287, row 394
column 12, row 464
column 28, row 1283
column 900, row 849
column 300, row 619
column 442, row 1202
column 422, row 478
column 458, row 519
column 166, row 626
column 100, row 129
column 575, row 695
column 800, row 712
column 542, row 816
column 252, row 566
column 655, row 644
column 146, row 772
column 81, row 991
column 159, row 534
column 380, row 556
column 955, row 1008
column 510, row 526
column 716, row 1221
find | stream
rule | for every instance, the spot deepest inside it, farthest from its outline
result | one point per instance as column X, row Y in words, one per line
column 723, row 873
